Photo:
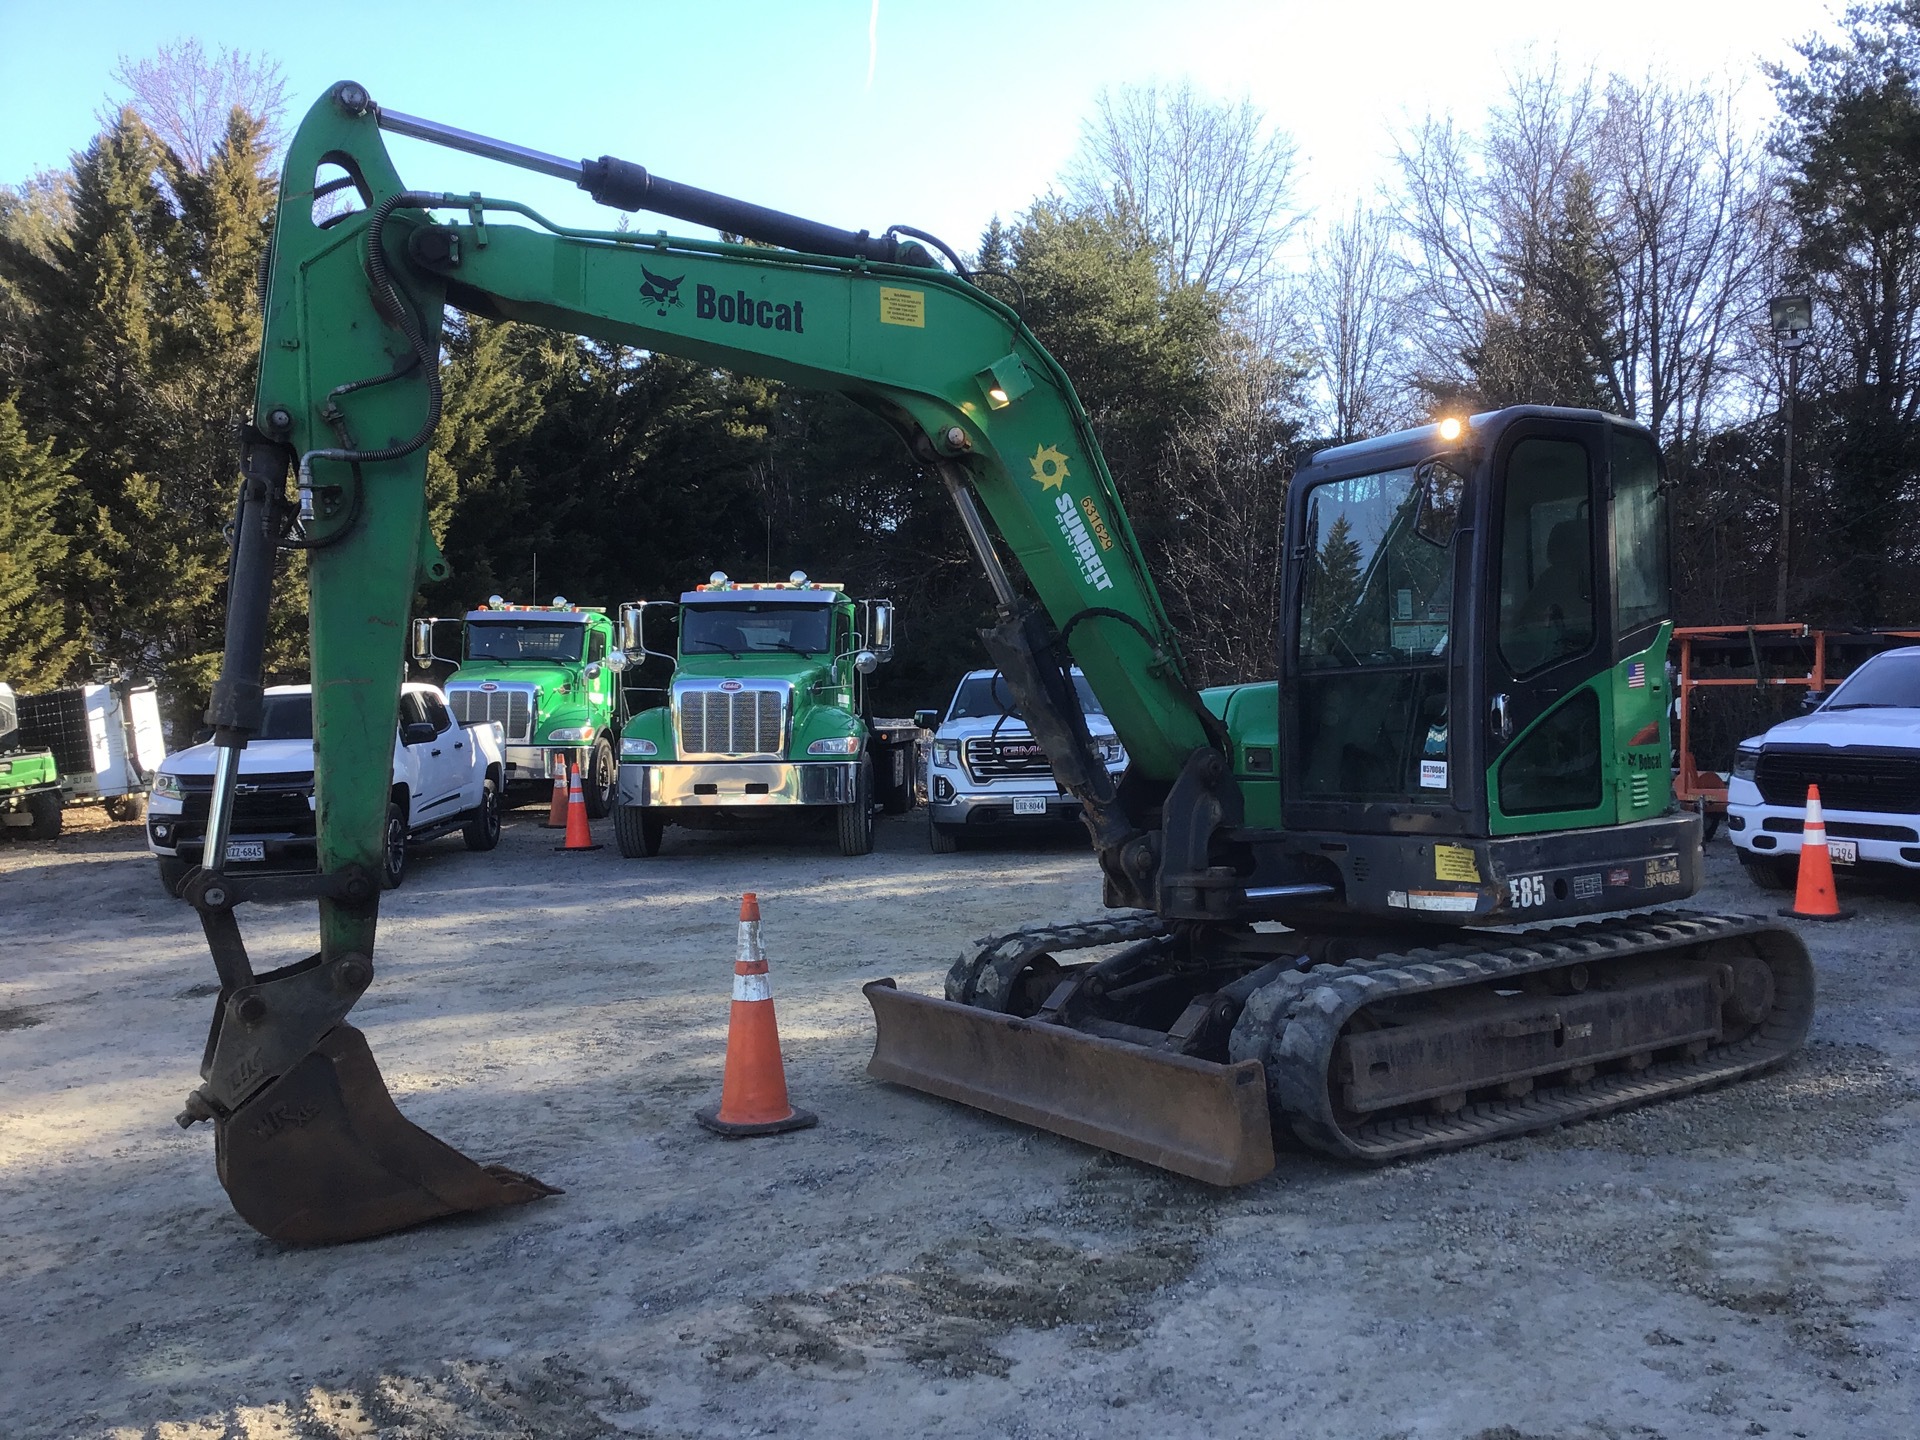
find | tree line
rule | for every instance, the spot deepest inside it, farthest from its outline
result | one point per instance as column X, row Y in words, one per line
column 1595, row 240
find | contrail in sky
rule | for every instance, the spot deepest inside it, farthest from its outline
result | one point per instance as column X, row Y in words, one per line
column 873, row 41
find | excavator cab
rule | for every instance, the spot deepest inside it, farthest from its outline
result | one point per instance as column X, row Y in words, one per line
column 1472, row 693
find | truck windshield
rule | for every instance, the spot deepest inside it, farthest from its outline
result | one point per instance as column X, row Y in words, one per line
column 1886, row 682
column 751, row 627
column 287, row 717
column 524, row 640
column 987, row 696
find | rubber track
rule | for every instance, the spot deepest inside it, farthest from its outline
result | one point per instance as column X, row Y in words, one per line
column 1294, row 1024
column 986, row 977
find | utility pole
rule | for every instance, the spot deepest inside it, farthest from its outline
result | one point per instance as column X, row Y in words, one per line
column 1791, row 317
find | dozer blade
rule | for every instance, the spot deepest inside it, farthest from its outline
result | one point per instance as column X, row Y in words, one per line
column 323, row 1155
column 1190, row 1116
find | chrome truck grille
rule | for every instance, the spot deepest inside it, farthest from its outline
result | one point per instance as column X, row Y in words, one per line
column 745, row 721
column 1001, row 757
column 510, row 706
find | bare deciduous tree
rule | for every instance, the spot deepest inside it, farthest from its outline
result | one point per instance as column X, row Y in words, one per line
column 1591, row 244
column 1354, row 307
column 1208, row 180
column 1222, row 560
column 186, row 96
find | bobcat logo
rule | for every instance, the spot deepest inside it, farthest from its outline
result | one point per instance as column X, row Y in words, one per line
column 660, row 290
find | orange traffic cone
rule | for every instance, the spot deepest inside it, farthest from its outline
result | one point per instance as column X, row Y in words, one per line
column 557, row 807
column 579, row 833
column 1814, row 897
column 753, row 1093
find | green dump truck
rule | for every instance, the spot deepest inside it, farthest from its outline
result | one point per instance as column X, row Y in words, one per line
column 766, row 710
column 549, row 675
column 30, row 799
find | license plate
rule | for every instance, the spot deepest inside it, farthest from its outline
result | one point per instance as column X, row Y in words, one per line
column 1029, row 804
column 1844, row 852
column 246, row 850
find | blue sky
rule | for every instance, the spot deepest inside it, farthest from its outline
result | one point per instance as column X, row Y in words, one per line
column 971, row 109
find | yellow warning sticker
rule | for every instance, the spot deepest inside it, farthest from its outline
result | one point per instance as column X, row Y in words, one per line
column 1455, row 862
column 903, row 307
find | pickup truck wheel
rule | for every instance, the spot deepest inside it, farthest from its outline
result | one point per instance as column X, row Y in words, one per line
column 856, row 816
column 127, row 807
column 45, row 809
column 637, row 830
column 600, row 781
column 941, row 839
column 482, row 830
column 393, row 851
column 172, row 871
column 1768, row 874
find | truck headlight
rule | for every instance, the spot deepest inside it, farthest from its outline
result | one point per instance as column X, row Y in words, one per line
column 946, row 754
column 634, row 745
column 1746, row 763
column 839, row 745
column 167, row 787
column 573, row 735
column 1112, row 752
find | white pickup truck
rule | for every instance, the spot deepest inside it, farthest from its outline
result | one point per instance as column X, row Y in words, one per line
column 446, row 777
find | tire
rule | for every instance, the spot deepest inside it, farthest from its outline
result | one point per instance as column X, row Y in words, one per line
column 856, row 816
column 45, row 807
column 393, row 849
column 599, row 784
column 482, row 830
column 637, row 830
column 1769, row 874
column 172, row 871
column 942, row 839
column 125, row 808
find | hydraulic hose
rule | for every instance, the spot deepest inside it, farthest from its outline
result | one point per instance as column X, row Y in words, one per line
column 393, row 306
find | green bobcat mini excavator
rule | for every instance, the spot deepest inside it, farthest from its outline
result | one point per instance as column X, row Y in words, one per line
column 1316, row 879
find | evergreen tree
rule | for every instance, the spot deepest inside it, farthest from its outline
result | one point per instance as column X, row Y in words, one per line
column 38, row 648
column 1851, row 140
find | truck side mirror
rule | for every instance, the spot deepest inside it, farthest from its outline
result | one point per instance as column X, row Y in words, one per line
column 617, row 661
column 1811, row 700
column 417, row 732
column 593, row 669
column 630, row 625
column 866, row 662
column 422, row 646
column 927, row 719
column 880, row 617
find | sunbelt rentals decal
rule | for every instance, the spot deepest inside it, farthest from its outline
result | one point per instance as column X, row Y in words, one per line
column 1080, row 524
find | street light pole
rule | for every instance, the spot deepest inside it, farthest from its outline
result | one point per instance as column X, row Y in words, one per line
column 1791, row 317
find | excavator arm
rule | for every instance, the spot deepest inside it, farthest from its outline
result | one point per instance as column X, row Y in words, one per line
column 347, row 402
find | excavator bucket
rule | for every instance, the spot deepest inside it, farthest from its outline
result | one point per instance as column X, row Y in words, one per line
column 323, row 1155
column 1190, row 1116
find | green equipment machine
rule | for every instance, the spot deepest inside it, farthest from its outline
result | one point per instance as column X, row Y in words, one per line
column 1467, row 730
column 31, row 799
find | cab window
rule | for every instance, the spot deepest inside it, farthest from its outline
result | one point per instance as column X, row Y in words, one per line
column 1639, row 535
column 1546, row 556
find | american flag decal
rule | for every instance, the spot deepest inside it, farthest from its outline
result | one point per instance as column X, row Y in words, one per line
column 1637, row 675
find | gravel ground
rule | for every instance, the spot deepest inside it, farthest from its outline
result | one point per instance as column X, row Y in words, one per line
column 1740, row 1263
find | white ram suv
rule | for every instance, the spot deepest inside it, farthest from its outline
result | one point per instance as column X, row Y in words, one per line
column 985, row 771
column 1861, row 746
column 446, row 777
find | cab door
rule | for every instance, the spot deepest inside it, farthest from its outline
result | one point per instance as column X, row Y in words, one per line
column 1548, row 632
